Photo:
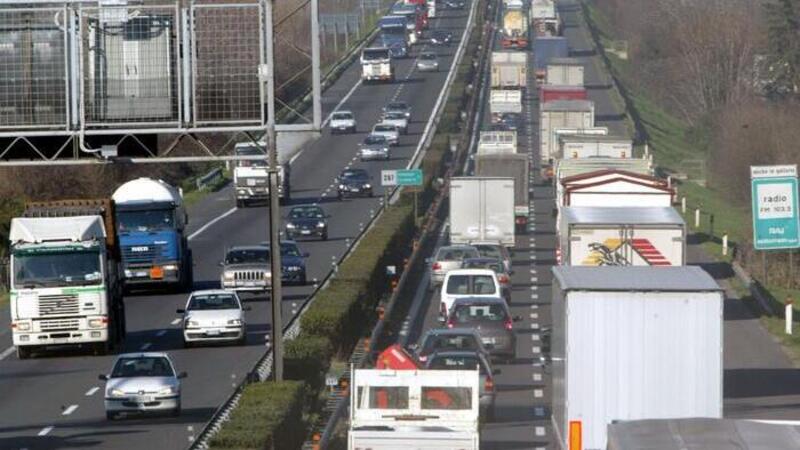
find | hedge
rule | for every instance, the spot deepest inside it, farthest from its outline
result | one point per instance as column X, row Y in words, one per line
column 268, row 417
column 307, row 358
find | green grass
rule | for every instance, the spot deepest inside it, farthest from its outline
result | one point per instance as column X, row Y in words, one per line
column 192, row 195
column 791, row 343
column 3, row 297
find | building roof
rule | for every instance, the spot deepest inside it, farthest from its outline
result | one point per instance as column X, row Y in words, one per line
column 634, row 278
column 663, row 215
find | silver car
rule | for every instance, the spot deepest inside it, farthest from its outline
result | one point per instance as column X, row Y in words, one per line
column 142, row 383
column 374, row 146
column 397, row 119
column 494, row 249
column 343, row 122
column 389, row 131
column 213, row 316
column 492, row 320
column 449, row 258
column 401, row 107
column 428, row 62
column 247, row 269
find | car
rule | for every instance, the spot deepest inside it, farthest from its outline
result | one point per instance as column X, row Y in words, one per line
column 428, row 62
column 213, row 315
column 494, row 249
column 305, row 221
column 293, row 262
column 490, row 317
column 496, row 265
column 460, row 283
column 142, row 383
column 448, row 258
column 510, row 120
column 354, row 182
column 470, row 360
column 247, row 268
column 401, row 107
column 374, row 146
column 444, row 339
column 500, row 126
column 454, row 4
column 441, row 37
column 390, row 131
column 343, row 121
column 397, row 119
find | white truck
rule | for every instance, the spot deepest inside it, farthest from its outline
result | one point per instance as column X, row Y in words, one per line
column 414, row 409
column 545, row 18
column 66, row 285
column 503, row 101
column 621, row 236
column 561, row 114
column 610, row 188
column 564, row 72
column 251, row 177
column 497, row 142
column 377, row 65
column 571, row 167
column 633, row 343
column 482, row 209
column 509, row 69
column 573, row 146
column 517, row 167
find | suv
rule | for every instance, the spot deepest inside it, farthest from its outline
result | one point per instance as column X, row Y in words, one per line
column 462, row 283
column 449, row 258
column 343, row 121
column 470, row 360
column 447, row 339
column 492, row 320
column 247, row 269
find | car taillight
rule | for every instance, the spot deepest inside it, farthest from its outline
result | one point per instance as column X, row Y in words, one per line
column 422, row 358
column 503, row 278
column 488, row 385
column 437, row 266
column 509, row 324
column 450, row 323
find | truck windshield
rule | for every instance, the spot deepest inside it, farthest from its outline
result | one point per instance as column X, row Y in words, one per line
column 145, row 221
column 375, row 55
column 34, row 270
column 251, row 150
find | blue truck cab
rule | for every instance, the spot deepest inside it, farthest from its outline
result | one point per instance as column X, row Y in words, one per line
column 151, row 222
column 394, row 35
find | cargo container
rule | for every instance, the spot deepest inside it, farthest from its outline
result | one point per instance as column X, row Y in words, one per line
column 561, row 114
column 544, row 18
column 614, row 188
column 564, row 72
column 497, row 142
column 550, row 93
column 570, row 167
column 546, row 48
column 482, row 209
column 509, row 165
column 505, row 101
column 633, row 343
column 509, row 69
column 620, row 236
column 573, row 146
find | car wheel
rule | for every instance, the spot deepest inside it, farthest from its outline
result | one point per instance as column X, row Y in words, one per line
column 111, row 415
column 324, row 236
column 187, row 344
column 175, row 412
column 240, row 203
column 353, row 129
column 339, row 195
column 371, row 194
column 303, row 280
column 490, row 413
column 242, row 340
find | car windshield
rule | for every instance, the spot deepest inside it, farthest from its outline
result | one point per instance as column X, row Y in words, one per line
column 306, row 212
column 247, row 255
column 251, row 150
column 143, row 366
column 68, row 268
column 145, row 221
column 428, row 56
column 470, row 285
column 342, row 116
column 465, row 314
column 459, row 362
column 205, row 302
column 382, row 128
column 435, row 343
column 395, row 116
column 354, row 175
column 456, row 254
column 375, row 55
column 489, row 251
column 374, row 139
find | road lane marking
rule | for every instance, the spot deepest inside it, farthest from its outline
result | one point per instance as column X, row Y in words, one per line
column 534, row 279
column 534, row 326
column 176, row 321
column 534, row 315
column 536, row 350
column 533, row 270
column 45, row 431
column 161, row 333
column 538, row 393
column 92, row 391
column 537, row 377
column 146, row 346
column 7, row 352
column 210, row 223
column 539, row 431
column 69, row 410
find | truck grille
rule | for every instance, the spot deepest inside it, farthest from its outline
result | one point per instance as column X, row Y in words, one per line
column 141, row 253
column 251, row 181
column 249, row 275
column 58, row 305
column 59, row 325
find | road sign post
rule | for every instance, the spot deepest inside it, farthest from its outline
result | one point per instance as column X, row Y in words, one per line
column 402, row 177
column 776, row 224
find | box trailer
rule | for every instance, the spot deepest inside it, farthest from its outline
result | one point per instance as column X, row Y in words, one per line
column 515, row 27
column 594, row 146
column 564, row 72
column 561, row 114
column 550, row 92
column 497, row 142
column 620, row 236
column 633, row 343
column 505, row 101
column 517, row 167
column 609, row 188
column 545, row 18
column 546, row 48
column 509, row 69
column 482, row 209
column 570, row 167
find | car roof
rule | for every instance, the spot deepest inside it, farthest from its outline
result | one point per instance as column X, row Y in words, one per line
column 143, row 355
column 356, row 170
column 451, row 331
column 478, row 301
column 247, row 247
column 212, row 292
column 397, row 104
column 346, row 111
column 306, row 207
column 470, row 272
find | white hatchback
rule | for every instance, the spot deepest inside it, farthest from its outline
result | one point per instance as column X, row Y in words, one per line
column 389, row 131
column 213, row 316
column 142, row 383
column 461, row 283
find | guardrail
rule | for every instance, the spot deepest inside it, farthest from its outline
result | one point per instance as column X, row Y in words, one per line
column 210, row 177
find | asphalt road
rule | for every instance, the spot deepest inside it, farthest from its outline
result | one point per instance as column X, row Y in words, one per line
column 57, row 401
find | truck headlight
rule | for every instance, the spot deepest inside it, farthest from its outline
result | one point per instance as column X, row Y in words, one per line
column 228, row 276
column 22, row 326
column 235, row 322
column 96, row 323
column 169, row 390
column 290, row 226
column 267, row 276
column 170, row 267
column 116, row 393
column 341, row 186
column 367, row 186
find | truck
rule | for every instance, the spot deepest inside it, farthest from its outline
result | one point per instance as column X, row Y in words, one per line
column 414, row 409
column 631, row 343
column 621, row 236
column 515, row 28
column 545, row 49
column 65, row 279
column 614, row 187
column 561, row 114
column 545, row 18
column 572, row 167
column 497, row 142
column 482, row 209
column 415, row 22
column 377, row 65
column 503, row 101
column 431, row 4
column 251, row 177
column 509, row 70
column 394, row 35
column 594, row 146
column 509, row 165
column 564, row 72
column 552, row 92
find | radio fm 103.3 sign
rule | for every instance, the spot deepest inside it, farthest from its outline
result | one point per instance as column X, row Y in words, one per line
column 775, row 211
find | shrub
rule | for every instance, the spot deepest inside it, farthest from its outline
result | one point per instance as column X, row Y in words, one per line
column 307, row 357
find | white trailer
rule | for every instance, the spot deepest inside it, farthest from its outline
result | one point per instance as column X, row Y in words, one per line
column 632, row 343
column 608, row 188
column 571, row 167
column 562, row 114
column 505, row 101
column 497, row 143
column 545, row 18
column 414, row 409
column 509, row 165
column 482, row 209
column 618, row 236
column 565, row 72
column 594, row 146
column 509, row 69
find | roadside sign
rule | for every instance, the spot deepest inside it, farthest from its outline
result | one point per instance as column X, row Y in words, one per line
column 402, row 177
column 776, row 223
column 388, row 178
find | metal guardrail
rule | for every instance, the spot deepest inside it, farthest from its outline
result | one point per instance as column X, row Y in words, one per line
column 210, row 177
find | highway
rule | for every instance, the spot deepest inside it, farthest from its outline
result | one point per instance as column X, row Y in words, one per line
column 57, row 401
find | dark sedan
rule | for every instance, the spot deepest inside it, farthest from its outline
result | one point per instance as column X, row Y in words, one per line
column 441, row 37
column 354, row 182
column 293, row 262
column 307, row 221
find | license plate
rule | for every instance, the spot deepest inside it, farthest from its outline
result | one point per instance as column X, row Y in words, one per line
column 489, row 340
column 212, row 332
column 251, row 182
column 305, row 232
column 144, row 399
column 141, row 274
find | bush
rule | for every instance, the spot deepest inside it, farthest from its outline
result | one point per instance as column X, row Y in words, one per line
column 307, row 357
column 269, row 416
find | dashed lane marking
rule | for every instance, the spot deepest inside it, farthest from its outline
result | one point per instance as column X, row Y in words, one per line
column 538, row 411
column 69, row 410
column 92, row 391
column 534, row 315
column 7, row 352
column 45, row 431
column 538, row 393
column 536, row 350
column 176, row 321
column 539, row 431
column 537, row 377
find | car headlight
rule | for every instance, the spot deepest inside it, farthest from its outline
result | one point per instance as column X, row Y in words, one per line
column 292, row 268
column 267, row 276
column 116, row 393
column 192, row 323
column 228, row 276
column 235, row 322
column 169, row 390
column 23, row 326
column 290, row 225
column 95, row 323
column 341, row 186
column 320, row 224
column 367, row 186
column 170, row 267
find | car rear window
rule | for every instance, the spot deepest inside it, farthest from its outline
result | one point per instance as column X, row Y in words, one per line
column 489, row 251
column 456, row 254
column 457, row 342
column 479, row 313
column 470, row 285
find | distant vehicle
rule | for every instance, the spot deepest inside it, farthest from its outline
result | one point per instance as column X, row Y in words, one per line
column 250, row 177
column 397, row 119
column 455, row 4
column 142, row 383
column 500, row 126
column 428, row 62
column 448, row 339
column 213, row 316
column 494, row 250
column 496, row 265
column 343, row 121
column 389, row 131
column 511, row 121
column 394, row 35
column 492, row 320
column 377, row 65
column 307, row 220
column 448, row 258
column 441, row 37
column 247, row 269
column 354, row 182
column 402, row 107
column 293, row 262
column 470, row 360
column 374, row 146
column 463, row 283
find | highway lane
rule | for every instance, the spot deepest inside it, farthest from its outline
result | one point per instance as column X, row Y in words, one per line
column 36, row 390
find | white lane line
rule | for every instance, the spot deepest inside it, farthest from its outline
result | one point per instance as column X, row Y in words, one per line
column 539, row 431
column 538, row 393
column 161, row 333
column 534, row 296
column 534, row 315
column 145, row 346
column 534, row 279
column 535, row 337
column 531, row 326
column 534, row 326
column 92, row 391
column 69, row 410
column 45, row 431
column 536, row 350
column 533, row 256
column 212, row 222
column 7, row 352
column 534, row 306
column 339, row 105
column 533, row 270
column 537, row 377
column 175, row 321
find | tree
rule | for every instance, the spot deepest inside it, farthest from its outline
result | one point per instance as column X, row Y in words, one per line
column 783, row 22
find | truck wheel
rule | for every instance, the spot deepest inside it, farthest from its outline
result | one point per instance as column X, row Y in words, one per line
column 23, row 352
column 111, row 415
column 100, row 349
column 324, row 236
column 188, row 282
column 240, row 203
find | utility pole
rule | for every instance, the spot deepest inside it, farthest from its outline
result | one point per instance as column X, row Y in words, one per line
column 274, row 201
